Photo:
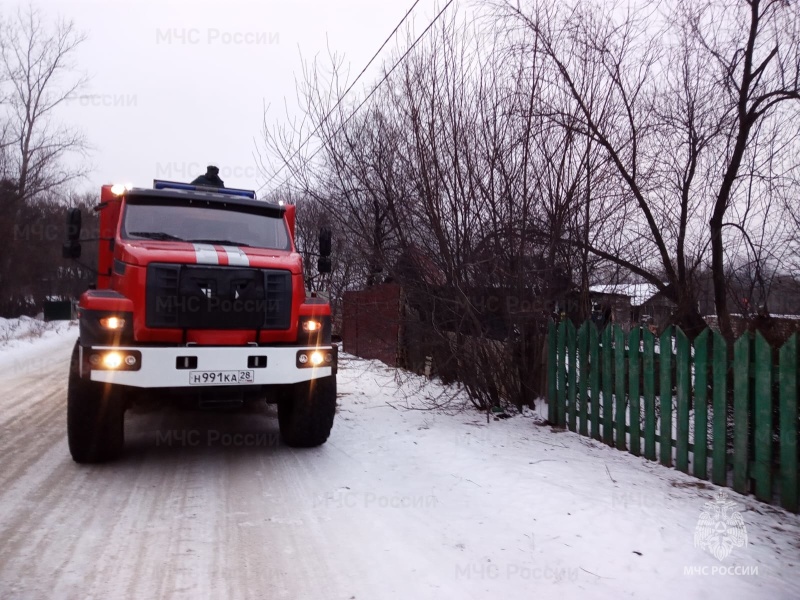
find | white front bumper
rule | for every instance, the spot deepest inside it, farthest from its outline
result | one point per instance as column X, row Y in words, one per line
column 158, row 366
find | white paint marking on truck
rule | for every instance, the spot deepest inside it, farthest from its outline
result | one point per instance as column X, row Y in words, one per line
column 236, row 256
column 206, row 254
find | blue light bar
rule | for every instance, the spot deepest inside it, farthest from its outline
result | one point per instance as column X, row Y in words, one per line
column 160, row 184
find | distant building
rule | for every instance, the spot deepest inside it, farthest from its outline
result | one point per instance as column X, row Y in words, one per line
column 632, row 303
column 776, row 328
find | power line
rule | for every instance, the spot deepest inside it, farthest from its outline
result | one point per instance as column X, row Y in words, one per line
column 342, row 97
column 375, row 89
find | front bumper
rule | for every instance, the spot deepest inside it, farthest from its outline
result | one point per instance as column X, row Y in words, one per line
column 209, row 366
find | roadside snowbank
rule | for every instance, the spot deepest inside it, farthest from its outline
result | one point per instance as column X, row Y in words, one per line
column 24, row 338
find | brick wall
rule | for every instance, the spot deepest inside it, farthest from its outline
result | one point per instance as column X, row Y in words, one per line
column 371, row 323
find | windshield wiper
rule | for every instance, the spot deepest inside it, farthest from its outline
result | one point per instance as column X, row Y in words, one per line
column 221, row 242
column 157, row 235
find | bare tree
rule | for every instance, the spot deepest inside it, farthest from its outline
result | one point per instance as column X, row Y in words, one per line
column 686, row 89
column 37, row 76
column 503, row 161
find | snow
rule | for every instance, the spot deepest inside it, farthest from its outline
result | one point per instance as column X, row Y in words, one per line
column 741, row 316
column 23, row 338
column 400, row 503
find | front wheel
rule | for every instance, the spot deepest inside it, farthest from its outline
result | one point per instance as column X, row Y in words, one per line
column 95, row 417
column 306, row 411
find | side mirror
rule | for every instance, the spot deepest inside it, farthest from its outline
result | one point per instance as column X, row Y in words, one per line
column 324, row 264
column 73, row 224
column 71, row 250
column 324, row 242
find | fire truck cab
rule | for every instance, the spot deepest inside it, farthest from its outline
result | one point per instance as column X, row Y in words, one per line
column 199, row 294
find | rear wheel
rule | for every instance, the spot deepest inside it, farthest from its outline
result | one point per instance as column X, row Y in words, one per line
column 95, row 417
column 306, row 411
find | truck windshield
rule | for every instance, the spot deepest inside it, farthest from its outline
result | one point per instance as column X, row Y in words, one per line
column 204, row 224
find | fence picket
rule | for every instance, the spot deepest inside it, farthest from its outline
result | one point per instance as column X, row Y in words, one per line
column 561, row 375
column 788, row 424
column 608, row 433
column 572, row 347
column 741, row 400
column 552, row 367
column 665, row 397
column 619, row 391
column 649, row 365
column 719, row 452
column 634, row 372
column 594, row 379
column 762, row 420
column 583, row 378
column 700, row 469
column 682, row 385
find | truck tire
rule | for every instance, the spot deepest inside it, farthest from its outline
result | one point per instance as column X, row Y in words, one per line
column 306, row 411
column 95, row 417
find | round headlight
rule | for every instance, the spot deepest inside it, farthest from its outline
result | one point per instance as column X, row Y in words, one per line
column 112, row 360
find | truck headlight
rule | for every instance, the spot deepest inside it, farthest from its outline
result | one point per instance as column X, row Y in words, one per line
column 311, row 358
column 311, row 325
column 112, row 323
column 112, row 360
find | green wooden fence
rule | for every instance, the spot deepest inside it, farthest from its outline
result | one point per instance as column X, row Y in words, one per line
column 684, row 404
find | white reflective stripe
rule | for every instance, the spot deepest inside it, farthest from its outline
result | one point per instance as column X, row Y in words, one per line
column 236, row 256
column 206, row 254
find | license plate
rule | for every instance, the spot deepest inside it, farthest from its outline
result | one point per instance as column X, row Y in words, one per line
column 220, row 377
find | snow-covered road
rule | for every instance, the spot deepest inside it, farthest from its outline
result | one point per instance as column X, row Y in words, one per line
column 398, row 504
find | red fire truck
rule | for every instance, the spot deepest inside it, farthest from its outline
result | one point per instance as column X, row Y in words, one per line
column 199, row 295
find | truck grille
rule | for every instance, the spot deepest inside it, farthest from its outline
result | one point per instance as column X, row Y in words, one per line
column 202, row 297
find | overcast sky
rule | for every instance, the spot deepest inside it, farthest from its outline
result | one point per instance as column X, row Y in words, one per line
column 175, row 85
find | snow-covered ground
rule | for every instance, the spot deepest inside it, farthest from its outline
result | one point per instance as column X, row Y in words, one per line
column 398, row 504
column 24, row 341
